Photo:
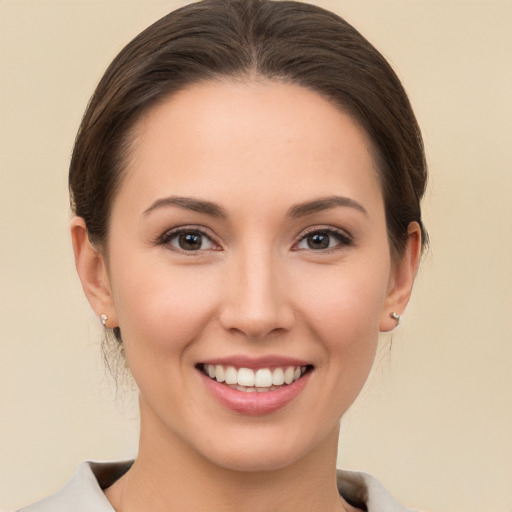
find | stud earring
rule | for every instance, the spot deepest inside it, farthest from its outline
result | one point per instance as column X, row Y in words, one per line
column 396, row 317
column 103, row 319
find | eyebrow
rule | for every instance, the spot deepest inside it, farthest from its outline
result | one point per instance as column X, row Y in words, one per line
column 324, row 203
column 188, row 203
column 296, row 211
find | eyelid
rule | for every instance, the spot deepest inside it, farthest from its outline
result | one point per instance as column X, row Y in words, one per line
column 345, row 237
column 193, row 228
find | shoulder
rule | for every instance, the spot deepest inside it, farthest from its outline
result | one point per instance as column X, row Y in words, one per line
column 84, row 491
column 365, row 491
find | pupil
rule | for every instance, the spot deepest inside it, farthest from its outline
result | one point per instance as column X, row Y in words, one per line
column 318, row 241
column 190, row 241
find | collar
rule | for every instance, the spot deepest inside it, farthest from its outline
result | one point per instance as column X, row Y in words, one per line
column 84, row 491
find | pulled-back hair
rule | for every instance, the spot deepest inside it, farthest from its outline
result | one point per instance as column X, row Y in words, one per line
column 284, row 41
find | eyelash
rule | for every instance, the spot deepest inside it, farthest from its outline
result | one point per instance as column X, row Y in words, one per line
column 342, row 238
column 168, row 236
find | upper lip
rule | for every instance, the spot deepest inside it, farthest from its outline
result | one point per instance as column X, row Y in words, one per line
column 244, row 361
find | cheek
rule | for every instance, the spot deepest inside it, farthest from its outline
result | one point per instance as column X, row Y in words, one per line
column 344, row 307
column 161, row 308
column 346, row 302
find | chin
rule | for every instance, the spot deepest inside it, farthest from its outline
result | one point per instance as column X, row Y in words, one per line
column 261, row 452
column 255, row 461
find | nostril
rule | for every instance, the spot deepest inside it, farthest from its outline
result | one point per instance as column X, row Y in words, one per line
column 257, row 327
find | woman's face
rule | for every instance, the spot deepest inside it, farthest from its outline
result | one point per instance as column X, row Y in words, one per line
column 248, row 237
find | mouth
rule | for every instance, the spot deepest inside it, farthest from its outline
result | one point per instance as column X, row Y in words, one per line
column 255, row 380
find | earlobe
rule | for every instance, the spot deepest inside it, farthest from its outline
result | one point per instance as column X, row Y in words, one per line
column 402, row 280
column 92, row 271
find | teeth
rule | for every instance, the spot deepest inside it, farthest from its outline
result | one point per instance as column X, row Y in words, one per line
column 219, row 373
column 289, row 374
column 263, row 378
column 254, row 389
column 231, row 375
column 246, row 389
column 278, row 377
column 246, row 379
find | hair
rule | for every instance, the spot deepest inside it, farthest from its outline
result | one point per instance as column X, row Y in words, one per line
column 284, row 41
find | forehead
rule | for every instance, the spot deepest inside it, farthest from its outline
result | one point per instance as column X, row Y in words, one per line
column 249, row 137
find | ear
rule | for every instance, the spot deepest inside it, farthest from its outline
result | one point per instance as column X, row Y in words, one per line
column 402, row 278
column 92, row 270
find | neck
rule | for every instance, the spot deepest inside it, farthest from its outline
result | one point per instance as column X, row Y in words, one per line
column 169, row 475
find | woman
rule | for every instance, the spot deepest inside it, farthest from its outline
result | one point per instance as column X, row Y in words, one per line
column 246, row 184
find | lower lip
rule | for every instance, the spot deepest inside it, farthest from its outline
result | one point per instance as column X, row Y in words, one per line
column 254, row 403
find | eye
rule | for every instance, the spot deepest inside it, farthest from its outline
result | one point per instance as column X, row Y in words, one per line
column 189, row 240
column 323, row 239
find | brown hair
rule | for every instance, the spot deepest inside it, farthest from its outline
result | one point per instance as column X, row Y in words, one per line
column 285, row 41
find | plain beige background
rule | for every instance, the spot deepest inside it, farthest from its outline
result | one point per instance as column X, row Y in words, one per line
column 435, row 422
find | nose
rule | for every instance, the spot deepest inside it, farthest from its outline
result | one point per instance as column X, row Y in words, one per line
column 256, row 299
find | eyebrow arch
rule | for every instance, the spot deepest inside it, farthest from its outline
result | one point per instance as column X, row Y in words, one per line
column 188, row 203
column 324, row 203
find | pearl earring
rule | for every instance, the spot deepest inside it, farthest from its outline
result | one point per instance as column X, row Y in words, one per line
column 103, row 319
column 395, row 316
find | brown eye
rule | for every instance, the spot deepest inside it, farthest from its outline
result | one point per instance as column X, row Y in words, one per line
column 318, row 240
column 188, row 240
column 323, row 239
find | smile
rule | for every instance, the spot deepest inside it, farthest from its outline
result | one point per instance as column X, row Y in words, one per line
column 254, row 380
column 255, row 387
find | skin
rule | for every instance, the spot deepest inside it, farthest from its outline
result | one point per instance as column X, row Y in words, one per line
column 256, row 150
